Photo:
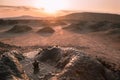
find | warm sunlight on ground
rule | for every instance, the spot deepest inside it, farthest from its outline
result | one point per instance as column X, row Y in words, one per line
column 51, row 6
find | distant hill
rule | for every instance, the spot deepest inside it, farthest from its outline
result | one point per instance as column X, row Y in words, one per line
column 24, row 17
column 88, row 16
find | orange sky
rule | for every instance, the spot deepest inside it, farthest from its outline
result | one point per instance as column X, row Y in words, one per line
column 106, row 6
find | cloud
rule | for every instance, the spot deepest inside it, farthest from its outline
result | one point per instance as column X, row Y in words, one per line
column 4, row 7
column 8, row 11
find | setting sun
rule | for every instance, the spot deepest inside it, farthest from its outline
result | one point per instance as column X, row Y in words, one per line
column 51, row 6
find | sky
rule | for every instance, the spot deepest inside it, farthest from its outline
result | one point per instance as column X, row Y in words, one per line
column 105, row 6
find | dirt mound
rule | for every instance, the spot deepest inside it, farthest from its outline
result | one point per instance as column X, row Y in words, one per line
column 89, row 27
column 71, row 61
column 20, row 29
column 10, row 68
column 77, row 27
column 46, row 30
column 57, row 23
column 114, row 31
column 100, row 26
column 84, row 68
column 53, row 54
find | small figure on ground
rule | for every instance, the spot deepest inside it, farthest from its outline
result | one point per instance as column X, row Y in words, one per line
column 35, row 67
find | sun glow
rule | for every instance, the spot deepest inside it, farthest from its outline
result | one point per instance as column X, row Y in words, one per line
column 51, row 6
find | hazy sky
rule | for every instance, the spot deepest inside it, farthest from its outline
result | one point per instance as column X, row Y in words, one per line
column 107, row 6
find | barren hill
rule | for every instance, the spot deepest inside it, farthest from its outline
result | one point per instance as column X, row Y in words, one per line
column 87, row 16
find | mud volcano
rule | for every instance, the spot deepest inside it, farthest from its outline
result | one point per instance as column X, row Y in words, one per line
column 89, row 27
column 86, row 27
column 48, row 30
column 75, row 65
column 20, row 29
